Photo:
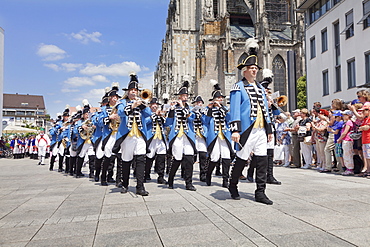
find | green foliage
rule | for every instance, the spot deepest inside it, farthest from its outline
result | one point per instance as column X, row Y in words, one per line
column 302, row 93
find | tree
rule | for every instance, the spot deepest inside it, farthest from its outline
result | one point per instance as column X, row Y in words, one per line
column 302, row 95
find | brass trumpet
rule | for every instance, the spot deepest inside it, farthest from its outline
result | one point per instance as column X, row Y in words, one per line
column 114, row 123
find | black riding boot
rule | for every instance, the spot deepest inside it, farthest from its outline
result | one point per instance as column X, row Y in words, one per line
column 270, row 167
column 103, row 177
column 91, row 166
column 261, row 176
column 119, row 171
column 79, row 163
column 202, row 166
column 125, row 175
column 98, row 164
column 61, row 158
column 236, row 172
column 52, row 160
column 67, row 164
column 188, row 161
column 110, row 169
column 225, row 172
column 211, row 166
column 218, row 170
column 72, row 165
column 171, row 176
column 250, row 171
column 140, row 173
column 169, row 163
column 148, row 168
column 160, row 160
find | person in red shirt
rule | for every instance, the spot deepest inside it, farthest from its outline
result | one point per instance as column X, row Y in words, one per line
column 365, row 128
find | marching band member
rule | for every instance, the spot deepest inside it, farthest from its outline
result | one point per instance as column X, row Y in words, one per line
column 42, row 142
column 97, row 136
column 85, row 147
column 218, row 135
column 15, row 145
column 182, row 138
column 131, row 135
column 200, row 133
column 250, row 125
column 63, row 133
column 54, row 143
column 73, row 137
column 156, row 142
column 109, row 134
column 32, row 147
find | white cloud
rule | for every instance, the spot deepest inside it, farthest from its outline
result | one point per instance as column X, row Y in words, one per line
column 118, row 69
column 52, row 66
column 69, row 90
column 84, row 37
column 99, row 78
column 79, row 81
column 71, row 66
column 57, row 101
column 147, row 80
column 50, row 52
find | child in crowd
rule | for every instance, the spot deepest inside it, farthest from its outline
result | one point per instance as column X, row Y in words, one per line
column 347, row 143
column 336, row 130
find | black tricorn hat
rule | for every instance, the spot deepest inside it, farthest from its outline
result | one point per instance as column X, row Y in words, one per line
column 183, row 89
column 217, row 90
column 66, row 111
column 197, row 99
column 86, row 105
column 252, row 59
column 114, row 90
column 133, row 83
column 104, row 99
column 154, row 101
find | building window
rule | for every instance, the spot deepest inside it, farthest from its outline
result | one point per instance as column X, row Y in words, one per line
column 351, row 67
column 336, row 43
column 366, row 18
column 320, row 8
column 279, row 71
column 367, row 67
column 349, row 30
column 313, row 47
column 325, row 82
column 338, row 82
column 324, row 40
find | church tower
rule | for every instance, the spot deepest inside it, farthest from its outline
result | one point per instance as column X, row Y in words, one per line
column 213, row 44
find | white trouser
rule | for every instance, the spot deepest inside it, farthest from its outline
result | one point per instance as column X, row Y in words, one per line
column 156, row 147
column 71, row 152
column 42, row 153
column 54, row 152
column 16, row 150
column 220, row 150
column 348, row 154
column 88, row 149
column 181, row 146
column 99, row 152
column 286, row 150
column 256, row 143
column 306, row 152
column 61, row 149
column 132, row 146
column 200, row 144
column 109, row 145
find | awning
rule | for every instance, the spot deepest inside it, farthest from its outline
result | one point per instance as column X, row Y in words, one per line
column 16, row 129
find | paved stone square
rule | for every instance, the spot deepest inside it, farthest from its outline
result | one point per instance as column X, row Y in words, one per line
column 43, row 208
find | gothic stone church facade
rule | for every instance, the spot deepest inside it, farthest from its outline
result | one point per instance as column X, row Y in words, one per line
column 205, row 39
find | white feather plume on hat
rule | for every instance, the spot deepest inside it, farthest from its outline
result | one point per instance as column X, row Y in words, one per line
column 186, row 78
column 115, row 86
column 78, row 108
column 67, row 107
column 165, row 96
column 213, row 82
column 251, row 45
column 106, row 90
column 85, row 102
column 267, row 73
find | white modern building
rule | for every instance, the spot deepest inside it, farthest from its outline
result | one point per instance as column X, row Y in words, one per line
column 1, row 76
column 337, row 49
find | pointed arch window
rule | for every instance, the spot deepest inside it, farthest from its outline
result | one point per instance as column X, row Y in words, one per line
column 279, row 70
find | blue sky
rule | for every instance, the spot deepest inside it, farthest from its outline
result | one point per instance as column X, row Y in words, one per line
column 69, row 50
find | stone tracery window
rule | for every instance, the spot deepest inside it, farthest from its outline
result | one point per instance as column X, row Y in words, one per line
column 279, row 71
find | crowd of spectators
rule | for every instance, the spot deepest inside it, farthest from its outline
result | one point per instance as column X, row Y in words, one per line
column 335, row 140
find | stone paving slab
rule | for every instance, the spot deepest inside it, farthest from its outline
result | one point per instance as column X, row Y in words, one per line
column 54, row 209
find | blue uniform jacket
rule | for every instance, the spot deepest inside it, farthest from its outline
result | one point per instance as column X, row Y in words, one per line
column 240, row 110
column 149, row 127
column 211, row 133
